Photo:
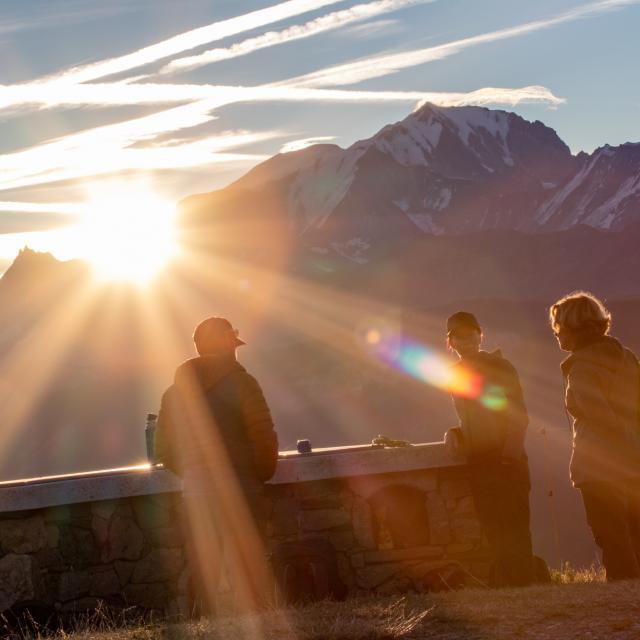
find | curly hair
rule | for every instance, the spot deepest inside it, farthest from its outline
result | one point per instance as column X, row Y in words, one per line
column 580, row 312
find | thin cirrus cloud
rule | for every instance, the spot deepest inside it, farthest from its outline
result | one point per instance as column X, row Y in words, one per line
column 382, row 65
column 190, row 40
column 303, row 143
column 110, row 148
column 134, row 144
column 329, row 22
column 205, row 98
column 374, row 28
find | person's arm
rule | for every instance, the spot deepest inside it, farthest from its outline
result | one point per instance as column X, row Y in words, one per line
column 517, row 416
column 586, row 386
column 260, row 428
column 165, row 437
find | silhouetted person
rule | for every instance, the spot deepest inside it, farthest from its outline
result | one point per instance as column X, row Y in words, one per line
column 602, row 383
column 493, row 420
column 215, row 430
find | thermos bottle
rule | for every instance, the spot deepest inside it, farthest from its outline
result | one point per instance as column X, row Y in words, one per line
column 150, row 436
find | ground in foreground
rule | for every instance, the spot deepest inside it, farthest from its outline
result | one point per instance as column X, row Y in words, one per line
column 584, row 611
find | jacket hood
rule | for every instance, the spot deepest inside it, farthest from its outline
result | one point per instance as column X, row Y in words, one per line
column 605, row 352
column 207, row 371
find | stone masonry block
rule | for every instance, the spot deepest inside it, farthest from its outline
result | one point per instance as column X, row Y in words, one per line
column 166, row 537
column 371, row 576
column 403, row 555
column 73, row 585
column 104, row 508
column 125, row 540
column 151, row 512
column 439, row 528
column 454, row 485
column 322, row 519
column 362, row 522
column 77, row 546
column 159, row 565
column 19, row 580
column 26, row 535
column 341, row 540
column 104, row 582
column 284, row 517
column 124, row 571
column 53, row 536
column 148, row 596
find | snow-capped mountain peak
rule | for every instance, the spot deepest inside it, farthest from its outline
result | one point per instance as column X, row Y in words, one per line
column 444, row 170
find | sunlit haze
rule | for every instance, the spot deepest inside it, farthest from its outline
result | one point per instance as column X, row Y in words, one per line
column 126, row 233
column 127, row 130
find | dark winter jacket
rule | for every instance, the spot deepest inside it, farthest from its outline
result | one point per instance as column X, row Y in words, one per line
column 602, row 395
column 214, row 405
column 493, row 417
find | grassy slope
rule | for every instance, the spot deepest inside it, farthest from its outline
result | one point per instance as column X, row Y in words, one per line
column 581, row 611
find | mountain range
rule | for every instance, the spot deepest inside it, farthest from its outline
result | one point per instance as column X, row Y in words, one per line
column 440, row 171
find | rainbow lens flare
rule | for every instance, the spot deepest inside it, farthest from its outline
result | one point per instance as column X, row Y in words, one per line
column 433, row 368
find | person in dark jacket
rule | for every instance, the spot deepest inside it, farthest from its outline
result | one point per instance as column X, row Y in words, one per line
column 216, row 431
column 493, row 420
column 602, row 387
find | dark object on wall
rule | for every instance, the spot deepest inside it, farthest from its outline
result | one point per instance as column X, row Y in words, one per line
column 303, row 446
column 306, row 571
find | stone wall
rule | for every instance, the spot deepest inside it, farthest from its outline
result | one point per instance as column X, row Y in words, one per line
column 394, row 532
column 125, row 552
column 396, row 518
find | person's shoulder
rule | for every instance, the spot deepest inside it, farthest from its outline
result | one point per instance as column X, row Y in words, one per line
column 242, row 377
column 496, row 358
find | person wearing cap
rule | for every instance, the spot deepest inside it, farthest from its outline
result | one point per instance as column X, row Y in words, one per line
column 492, row 425
column 215, row 430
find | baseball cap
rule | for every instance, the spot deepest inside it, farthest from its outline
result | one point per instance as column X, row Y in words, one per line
column 213, row 328
column 462, row 320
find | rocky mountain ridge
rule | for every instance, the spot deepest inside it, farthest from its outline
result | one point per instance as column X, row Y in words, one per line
column 442, row 171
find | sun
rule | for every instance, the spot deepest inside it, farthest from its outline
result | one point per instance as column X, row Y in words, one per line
column 127, row 233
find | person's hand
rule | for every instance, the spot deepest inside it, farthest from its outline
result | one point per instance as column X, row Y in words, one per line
column 453, row 442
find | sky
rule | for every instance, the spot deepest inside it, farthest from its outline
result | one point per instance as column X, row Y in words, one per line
column 183, row 97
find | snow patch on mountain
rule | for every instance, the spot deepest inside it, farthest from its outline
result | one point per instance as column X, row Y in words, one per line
column 425, row 222
column 411, row 142
column 354, row 249
column 318, row 189
column 605, row 215
column 439, row 201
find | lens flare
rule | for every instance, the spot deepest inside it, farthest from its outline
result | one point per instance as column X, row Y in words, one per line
column 433, row 368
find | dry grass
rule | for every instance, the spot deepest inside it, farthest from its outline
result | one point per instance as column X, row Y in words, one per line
column 571, row 575
column 580, row 611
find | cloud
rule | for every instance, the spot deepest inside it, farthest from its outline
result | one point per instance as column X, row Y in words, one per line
column 203, row 99
column 189, row 40
column 60, row 13
column 371, row 29
column 19, row 217
column 331, row 21
column 378, row 66
column 495, row 96
column 110, row 148
column 303, row 143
